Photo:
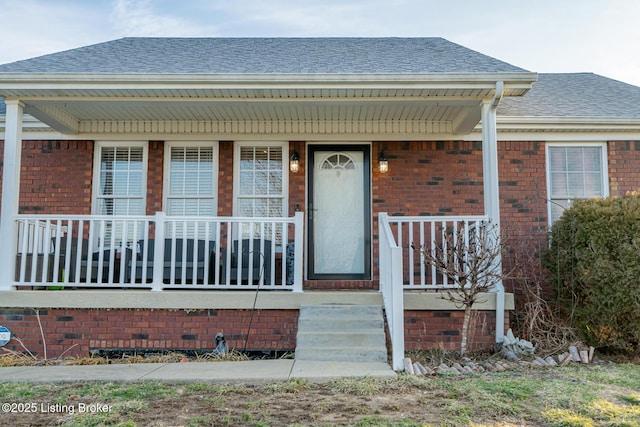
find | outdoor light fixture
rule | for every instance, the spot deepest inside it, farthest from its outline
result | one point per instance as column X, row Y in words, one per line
column 383, row 163
column 294, row 162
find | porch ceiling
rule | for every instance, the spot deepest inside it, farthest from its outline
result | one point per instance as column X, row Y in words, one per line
column 430, row 106
column 353, row 109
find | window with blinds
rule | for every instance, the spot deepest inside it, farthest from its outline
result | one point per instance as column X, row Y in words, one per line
column 121, row 174
column 191, row 189
column 119, row 189
column 575, row 172
column 260, row 183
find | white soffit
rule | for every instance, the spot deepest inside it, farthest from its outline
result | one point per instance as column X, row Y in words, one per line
column 72, row 106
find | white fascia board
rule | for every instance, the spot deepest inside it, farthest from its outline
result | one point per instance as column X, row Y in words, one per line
column 568, row 137
column 563, row 126
column 558, row 122
column 32, row 81
column 549, row 134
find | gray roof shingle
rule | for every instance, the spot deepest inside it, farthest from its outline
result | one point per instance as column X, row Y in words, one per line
column 575, row 95
column 266, row 56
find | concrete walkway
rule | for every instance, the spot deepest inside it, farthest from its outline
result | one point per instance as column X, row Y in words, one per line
column 247, row 372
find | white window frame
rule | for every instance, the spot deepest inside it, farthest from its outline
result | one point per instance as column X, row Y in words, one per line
column 285, row 171
column 603, row 159
column 167, row 170
column 97, row 160
column 97, row 157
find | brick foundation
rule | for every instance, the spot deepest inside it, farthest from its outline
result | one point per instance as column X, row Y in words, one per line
column 442, row 329
column 77, row 331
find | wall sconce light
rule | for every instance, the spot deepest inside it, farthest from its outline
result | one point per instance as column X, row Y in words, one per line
column 383, row 163
column 294, row 162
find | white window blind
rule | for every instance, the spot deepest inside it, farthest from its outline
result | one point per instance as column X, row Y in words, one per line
column 121, row 181
column 191, row 181
column 120, row 189
column 261, row 191
column 575, row 172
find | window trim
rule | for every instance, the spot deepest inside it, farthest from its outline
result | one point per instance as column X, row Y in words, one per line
column 604, row 162
column 167, row 171
column 97, row 157
column 285, row 171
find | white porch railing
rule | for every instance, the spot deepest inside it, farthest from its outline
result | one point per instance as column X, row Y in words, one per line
column 159, row 252
column 417, row 234
column 390, row 272
column 402, row 265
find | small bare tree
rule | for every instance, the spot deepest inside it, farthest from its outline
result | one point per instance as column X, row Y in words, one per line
column 469, row 257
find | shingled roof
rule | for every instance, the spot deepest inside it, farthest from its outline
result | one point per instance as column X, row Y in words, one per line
column 266, row 56
column 568, row 95
column 575, row 95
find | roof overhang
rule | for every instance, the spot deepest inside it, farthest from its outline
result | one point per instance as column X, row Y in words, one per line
column 386, row 105
column 562, row 129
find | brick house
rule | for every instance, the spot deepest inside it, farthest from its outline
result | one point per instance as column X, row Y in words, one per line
column 170, row 189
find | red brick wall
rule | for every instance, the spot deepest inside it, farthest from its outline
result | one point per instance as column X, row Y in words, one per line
column 155, row 168
column 225, row 179
column 445, row 178
column 442, row 329
column 77, row 331
column 624, row 167
column 425, row 178
column 428, row 178
column 56, row 177
column 523, row 211
column 297, row 180
column 523, row 190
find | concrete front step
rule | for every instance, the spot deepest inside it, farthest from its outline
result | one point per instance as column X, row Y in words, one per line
column 341, row 332
column 349, row 339
column 341, row 324
column 340, row 354
column 340, row 311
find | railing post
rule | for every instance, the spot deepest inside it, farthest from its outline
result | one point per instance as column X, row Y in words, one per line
column 390, row 270
column 158, row 256
column 297, row 258
column 397, row 335
column 382, row 253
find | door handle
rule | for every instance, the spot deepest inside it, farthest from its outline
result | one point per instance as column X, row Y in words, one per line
column 311, row 210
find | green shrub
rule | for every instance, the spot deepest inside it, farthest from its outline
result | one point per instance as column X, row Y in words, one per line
column 594, row 263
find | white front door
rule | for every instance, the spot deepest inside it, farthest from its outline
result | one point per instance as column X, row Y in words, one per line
column 339, row 215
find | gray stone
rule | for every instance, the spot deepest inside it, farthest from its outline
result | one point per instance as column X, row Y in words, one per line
column 540, row 361
column 408, row 366
column 509, row 354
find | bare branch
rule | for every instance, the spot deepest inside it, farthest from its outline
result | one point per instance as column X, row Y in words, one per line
column 469, row 257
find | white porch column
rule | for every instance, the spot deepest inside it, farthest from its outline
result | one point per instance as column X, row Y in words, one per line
column 490, row 180
column 490, row 157
column 10, row 192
